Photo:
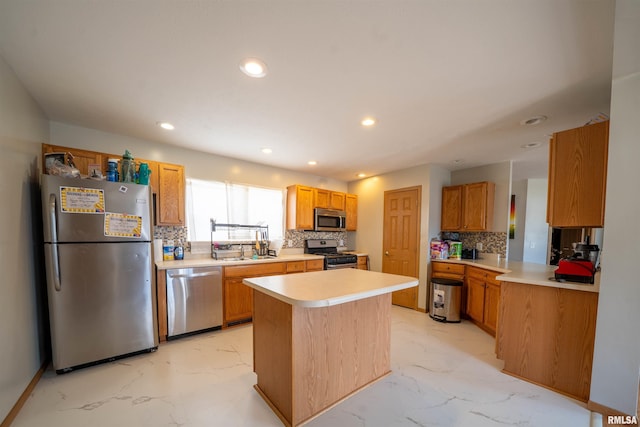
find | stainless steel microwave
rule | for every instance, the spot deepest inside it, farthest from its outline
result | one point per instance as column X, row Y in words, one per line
column 330, row 220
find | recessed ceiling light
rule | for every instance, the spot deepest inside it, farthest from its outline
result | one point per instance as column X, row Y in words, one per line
column 312, row 163
column 533, row 120
column 531, row 145
column 361, row 175
column 166, row 125
column 267, row 150
column 368, row 121
column 254, row 67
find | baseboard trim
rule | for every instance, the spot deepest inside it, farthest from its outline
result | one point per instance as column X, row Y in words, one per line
column 13, row 413
column 604, row 410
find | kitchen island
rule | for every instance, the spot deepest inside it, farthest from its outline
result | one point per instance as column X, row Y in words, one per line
column 319, row 337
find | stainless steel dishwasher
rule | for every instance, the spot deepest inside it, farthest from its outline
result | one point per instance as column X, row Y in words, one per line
column 194, row 299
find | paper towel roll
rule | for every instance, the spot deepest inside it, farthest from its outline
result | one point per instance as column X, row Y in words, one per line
column 157, row 250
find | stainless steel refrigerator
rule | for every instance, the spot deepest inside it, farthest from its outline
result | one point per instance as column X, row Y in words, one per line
column 98, row 257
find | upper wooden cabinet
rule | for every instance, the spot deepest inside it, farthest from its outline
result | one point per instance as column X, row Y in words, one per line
column 302, row 200
column 167, row 180
column 170, row 196
column 351, row 207
column 467, row 207
column 328, row 199
column 300, row 203
column 578, row 176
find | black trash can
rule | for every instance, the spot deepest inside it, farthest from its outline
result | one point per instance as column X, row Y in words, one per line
column 445, row 300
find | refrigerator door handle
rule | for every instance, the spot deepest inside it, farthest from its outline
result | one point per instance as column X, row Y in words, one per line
column 54, row 242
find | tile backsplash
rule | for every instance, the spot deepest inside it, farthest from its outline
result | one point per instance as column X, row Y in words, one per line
column 492, row 242
column 176, row 233
column 298, row 237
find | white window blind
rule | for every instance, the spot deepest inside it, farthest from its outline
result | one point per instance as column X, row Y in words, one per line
column 232, row 204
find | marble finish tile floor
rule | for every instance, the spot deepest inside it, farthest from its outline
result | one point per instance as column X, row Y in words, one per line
column 443, row 375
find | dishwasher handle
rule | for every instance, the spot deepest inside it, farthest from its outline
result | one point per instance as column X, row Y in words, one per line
column 188, row 275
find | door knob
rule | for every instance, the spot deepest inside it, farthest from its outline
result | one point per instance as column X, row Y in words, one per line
column 386, row 253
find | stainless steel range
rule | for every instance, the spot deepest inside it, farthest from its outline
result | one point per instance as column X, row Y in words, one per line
column 332, row 258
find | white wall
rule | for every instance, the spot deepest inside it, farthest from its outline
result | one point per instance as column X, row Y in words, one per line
column 23, row 348
column 536, row 229
column 370, row 193
column 516, row 245
column 616, row 364
column 197, row 164
column 498, row 173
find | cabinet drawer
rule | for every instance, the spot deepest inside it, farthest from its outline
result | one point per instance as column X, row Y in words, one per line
column 295, row 267
column 482, row 275
column 362, row 260
column 315, row 264
column 447, row 268
column 270, row 268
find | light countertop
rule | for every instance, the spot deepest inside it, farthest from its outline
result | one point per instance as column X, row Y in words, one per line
column 526, row 272
column 207, row 261
column 329, row 287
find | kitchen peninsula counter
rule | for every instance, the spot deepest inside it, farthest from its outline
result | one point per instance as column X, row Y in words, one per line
column 321, row 336
column 526, row 272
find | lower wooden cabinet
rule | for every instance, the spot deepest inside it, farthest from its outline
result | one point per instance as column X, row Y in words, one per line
column 483, row 298
column 238, row 297
column 363, row 262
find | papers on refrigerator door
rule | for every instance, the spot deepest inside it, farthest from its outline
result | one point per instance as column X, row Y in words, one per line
column 81, row 200
column 122, row 225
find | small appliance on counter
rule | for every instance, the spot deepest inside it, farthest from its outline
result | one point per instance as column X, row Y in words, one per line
column 581, row 266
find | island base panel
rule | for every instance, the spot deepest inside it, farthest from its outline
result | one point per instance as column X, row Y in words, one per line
column 309, row 359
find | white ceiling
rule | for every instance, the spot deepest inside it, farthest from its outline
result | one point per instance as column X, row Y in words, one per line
column 446, row 79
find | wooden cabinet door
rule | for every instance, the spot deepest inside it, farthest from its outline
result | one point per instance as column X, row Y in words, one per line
column 475, row 299
column 491, row 305
column 238, row 300
column 351, row 207
column 300, row 204
column 451, row 215
column 578, row 176
column 337, row 201
column 476, row 209
column 323, row 198
column 170, row 198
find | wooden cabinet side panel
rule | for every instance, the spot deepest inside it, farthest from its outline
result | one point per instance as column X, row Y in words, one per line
column 272, row 351
column 351, row 208
column 161, row 295
column 337, row 351
column 546, row 335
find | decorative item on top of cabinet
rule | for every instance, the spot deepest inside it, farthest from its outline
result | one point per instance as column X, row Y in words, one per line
column 578, row 176
column 81, row 158
column 351, row 207
column 468, row 207
column 449, row 270
column 483, row 298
